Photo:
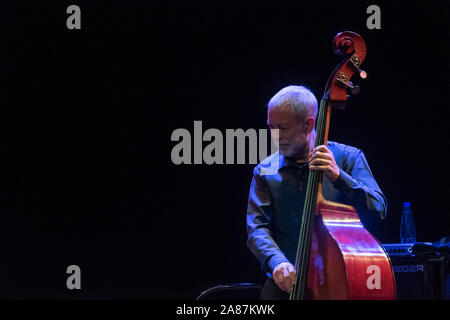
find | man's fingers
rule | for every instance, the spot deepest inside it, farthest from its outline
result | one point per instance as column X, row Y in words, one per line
column 284, row 276
column 293, row 277
column 289, row 278
column 282, row 279
column 278, row 277
column 318, row 161
column 321, row 148
column 286, row 279
column 319, row 154
column 321, row 168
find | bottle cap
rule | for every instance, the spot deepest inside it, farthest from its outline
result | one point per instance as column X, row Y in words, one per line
column 406, row 204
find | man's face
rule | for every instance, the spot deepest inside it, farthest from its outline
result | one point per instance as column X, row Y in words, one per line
column 293, row 135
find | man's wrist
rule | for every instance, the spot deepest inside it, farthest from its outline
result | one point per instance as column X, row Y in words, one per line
column 344, row 182
column 334, row 176
column 276, row 260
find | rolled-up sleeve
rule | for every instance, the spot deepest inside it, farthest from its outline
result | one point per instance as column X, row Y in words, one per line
column 259, row 219
column 360, row 187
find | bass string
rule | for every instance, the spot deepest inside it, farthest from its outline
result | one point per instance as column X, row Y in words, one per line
column 306, row 239
column 302, row 259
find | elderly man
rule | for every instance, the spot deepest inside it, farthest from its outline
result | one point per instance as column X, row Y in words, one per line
column 275, row 203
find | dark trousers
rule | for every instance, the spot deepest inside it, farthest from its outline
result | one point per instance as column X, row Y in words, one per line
column 271, row 291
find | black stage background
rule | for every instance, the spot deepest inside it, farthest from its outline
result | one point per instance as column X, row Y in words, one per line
column 87, row 116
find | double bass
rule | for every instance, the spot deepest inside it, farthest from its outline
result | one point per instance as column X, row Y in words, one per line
column 337, row 258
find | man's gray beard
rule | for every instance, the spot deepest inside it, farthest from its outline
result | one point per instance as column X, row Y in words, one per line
column 302, row 153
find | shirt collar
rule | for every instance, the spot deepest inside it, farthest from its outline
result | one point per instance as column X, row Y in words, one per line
column 290, row 162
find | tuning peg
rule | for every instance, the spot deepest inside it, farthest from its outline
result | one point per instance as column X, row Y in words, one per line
column 353, row 89
column 354, row 63
column 349, row 85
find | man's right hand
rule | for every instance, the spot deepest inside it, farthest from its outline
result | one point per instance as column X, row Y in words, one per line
column 284, row 276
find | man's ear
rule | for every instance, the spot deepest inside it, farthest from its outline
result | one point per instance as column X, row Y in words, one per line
column 309, row 124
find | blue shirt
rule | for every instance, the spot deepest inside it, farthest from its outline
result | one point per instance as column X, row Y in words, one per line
column 275, row 203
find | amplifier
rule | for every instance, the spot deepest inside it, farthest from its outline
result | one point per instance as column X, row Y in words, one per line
column 418, row 276
column 402, row 249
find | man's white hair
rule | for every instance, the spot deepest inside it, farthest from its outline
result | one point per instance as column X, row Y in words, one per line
column 301, row 100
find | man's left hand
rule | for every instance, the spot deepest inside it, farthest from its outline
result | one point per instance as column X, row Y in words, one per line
column 322, row 159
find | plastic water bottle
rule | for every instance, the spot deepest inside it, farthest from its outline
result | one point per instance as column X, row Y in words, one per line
column 407, row 227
